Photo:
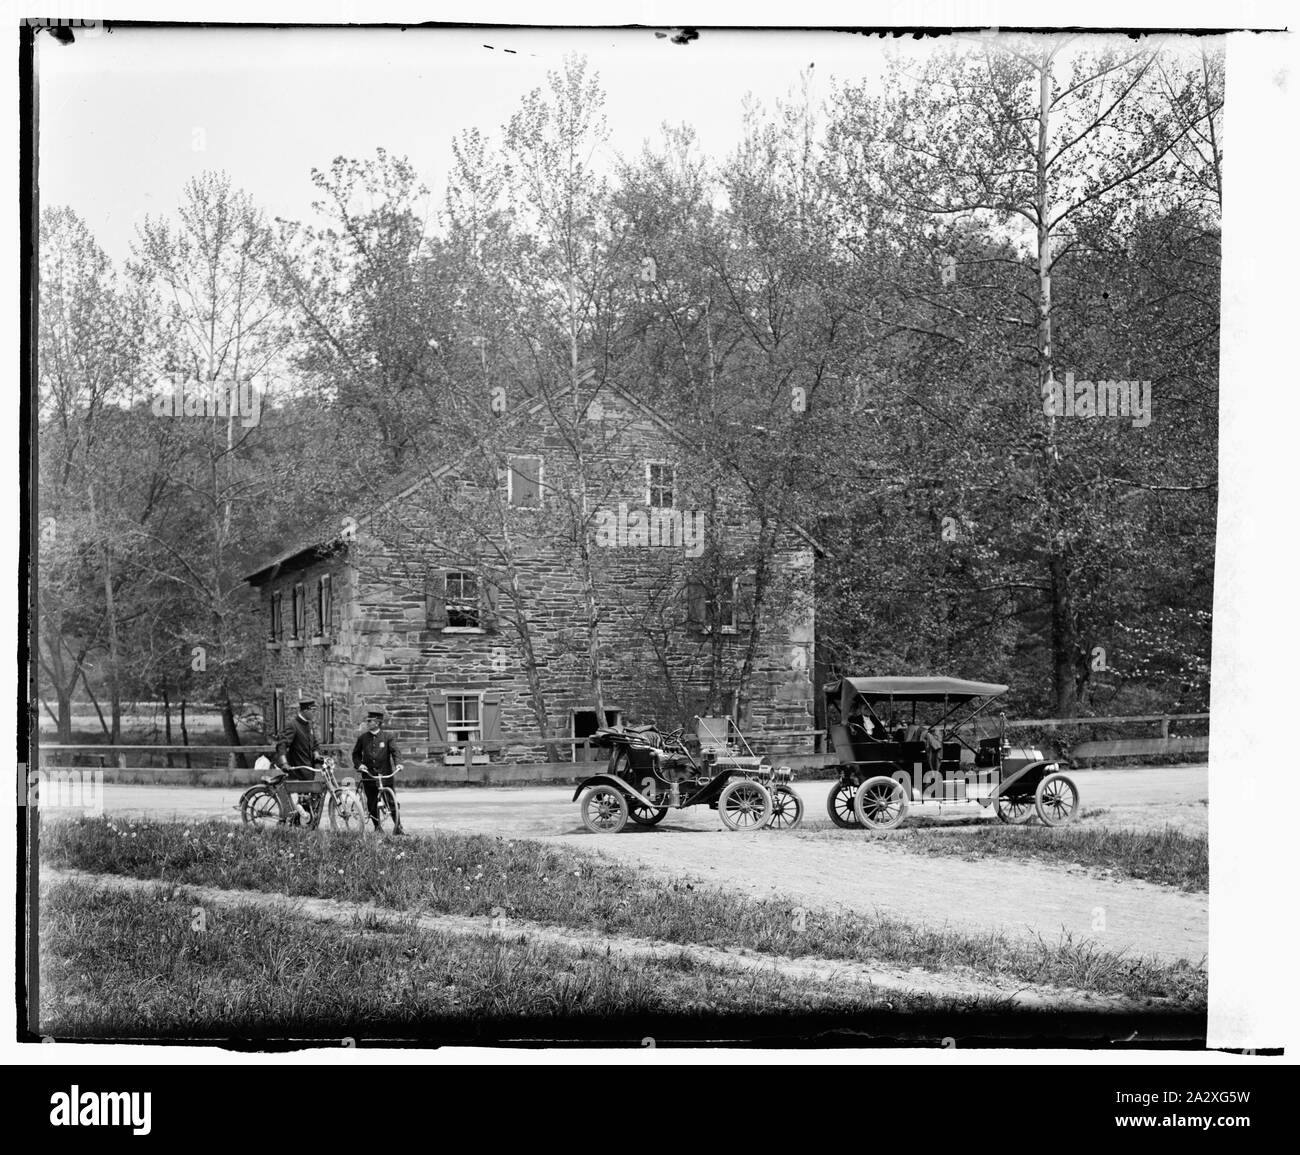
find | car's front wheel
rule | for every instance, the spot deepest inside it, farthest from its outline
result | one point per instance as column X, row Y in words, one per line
column 744, row 805
column 1057, row 800
column 604, row 810
column 880, row 803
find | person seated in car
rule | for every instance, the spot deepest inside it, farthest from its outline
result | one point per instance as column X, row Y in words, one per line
column 865, row 722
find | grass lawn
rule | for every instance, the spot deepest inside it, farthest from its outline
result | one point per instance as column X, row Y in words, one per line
column 473, row 874
column 132, row 965
column 1166, row 857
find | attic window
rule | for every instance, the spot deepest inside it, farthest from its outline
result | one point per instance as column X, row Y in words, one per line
column 661, row 483
column 525, row 482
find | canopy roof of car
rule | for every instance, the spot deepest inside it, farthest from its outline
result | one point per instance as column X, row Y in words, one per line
column 915, row 689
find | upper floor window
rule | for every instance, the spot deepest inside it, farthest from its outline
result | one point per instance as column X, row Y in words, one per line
column 299, row 611
column 524, row 481
column 661, row 484
column 713, row 605
column 324, row 604
column 462, row 600
column 723, row 605
column 277, row 616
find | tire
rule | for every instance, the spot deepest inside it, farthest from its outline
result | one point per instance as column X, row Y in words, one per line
column 348, row 812
column 839, row 805
column 880, row 803
column 260, row 807
column 787, row 809
column 646, row 815
column 1014, row 811
column 744, row 805
column 388, row 811
column 1056, row 800
column 604, row 810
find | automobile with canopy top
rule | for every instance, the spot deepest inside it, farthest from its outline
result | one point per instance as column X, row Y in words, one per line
column 889, row 758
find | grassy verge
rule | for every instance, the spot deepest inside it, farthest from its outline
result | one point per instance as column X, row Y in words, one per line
column 1167, row 857
column 472, row 874
column 120, row 964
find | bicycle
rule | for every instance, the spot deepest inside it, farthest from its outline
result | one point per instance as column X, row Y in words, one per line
column 389, row 811
column 344, row 802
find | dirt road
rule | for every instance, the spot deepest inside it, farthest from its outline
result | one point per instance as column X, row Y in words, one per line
column 820, row 865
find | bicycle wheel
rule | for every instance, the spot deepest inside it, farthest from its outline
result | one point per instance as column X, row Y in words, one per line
column 260, row 806
column 388, row 810
column 348, row 811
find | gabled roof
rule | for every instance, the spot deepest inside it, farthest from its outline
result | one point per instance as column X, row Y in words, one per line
column 328, row 536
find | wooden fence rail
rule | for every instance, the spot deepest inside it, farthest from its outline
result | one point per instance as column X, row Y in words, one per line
column 773, row 741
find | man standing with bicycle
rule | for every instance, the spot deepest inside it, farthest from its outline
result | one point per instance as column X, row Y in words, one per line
column 376, row 751
column 301, row 754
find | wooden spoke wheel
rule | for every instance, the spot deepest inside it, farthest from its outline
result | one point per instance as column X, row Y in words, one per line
column 604, row 810
column 839, row 805
column 880, row 803
column 1056, row 800
column 744, row 805
column 787, row 809
column 1015, row 811
column 646, row 815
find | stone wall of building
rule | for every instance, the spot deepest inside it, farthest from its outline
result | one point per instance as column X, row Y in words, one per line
column 656, row 664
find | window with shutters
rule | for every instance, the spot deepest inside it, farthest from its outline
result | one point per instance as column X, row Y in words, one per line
column 462, row 601
column 723, row 605
column 661, row 484
column 324, row 606
column 524, row 482
column 277, row 616
column 459, row 721
column 464, row 728
column 277, row 711
column 299, row 612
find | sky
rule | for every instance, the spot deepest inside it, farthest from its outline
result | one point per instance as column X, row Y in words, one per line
column 128, row 116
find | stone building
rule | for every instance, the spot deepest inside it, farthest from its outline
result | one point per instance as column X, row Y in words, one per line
column 463, row 602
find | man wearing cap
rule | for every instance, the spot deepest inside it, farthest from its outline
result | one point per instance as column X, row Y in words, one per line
column 302, row 750
column 377, row 752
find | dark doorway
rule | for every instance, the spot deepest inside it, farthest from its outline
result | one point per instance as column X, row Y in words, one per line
column 584, row 726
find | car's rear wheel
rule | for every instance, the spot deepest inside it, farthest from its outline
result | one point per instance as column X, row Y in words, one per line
column 604, row 810
column 839, row 805
column 880, row 803
column 744, row 805
column 787, row 809
column 1015, row 811
column 1056, row 800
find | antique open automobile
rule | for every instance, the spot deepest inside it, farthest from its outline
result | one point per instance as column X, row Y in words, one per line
column 888, row 759
column 651, row 771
